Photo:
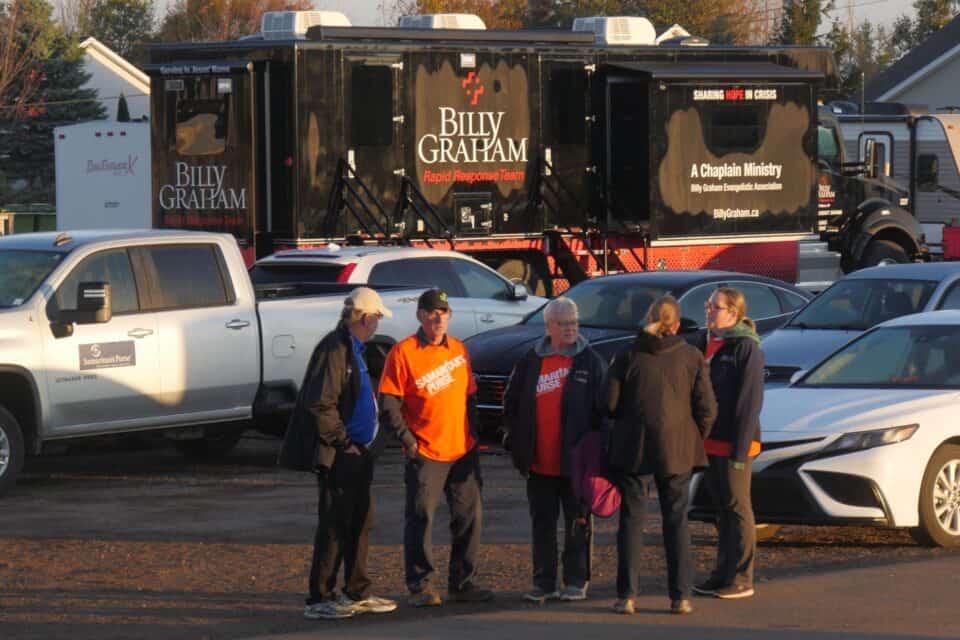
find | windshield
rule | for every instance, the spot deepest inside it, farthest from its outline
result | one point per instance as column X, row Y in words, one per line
column 22, row 272
column 859, row 303
column 924, row 356
column 609, row 303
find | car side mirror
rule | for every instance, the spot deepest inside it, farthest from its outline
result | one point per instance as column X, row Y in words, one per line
column 688, row 326
column 797, row 375
column 519, row 292
column 94, row 304
column 928, row 172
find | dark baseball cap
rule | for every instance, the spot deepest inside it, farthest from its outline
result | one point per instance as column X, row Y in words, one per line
column 432, row 299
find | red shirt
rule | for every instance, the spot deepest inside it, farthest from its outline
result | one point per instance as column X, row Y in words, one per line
column 554, row 370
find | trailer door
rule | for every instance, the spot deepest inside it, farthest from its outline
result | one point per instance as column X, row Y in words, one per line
column 627, row 152
column 375, row 129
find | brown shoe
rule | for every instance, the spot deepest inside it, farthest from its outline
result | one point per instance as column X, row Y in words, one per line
column 469, row 593
column 681, row 606
column 425, row 598
column 624, row 606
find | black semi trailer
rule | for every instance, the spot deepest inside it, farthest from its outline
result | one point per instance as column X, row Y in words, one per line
column 539, row 146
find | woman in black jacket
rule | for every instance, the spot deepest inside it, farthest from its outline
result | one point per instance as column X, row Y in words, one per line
column 732, row 348
column 660, row 397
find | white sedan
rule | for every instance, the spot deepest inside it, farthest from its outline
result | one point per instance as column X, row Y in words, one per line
column 870, row 435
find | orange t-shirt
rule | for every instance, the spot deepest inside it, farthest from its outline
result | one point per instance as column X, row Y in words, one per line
column 434, row 382
column 554, row 370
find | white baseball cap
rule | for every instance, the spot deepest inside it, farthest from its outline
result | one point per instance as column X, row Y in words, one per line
column 366, row 300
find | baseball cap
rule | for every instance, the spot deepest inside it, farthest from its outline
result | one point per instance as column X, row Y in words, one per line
column 433, row 299
column 366, row 300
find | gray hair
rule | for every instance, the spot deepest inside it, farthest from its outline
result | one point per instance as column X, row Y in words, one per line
column 561, row 306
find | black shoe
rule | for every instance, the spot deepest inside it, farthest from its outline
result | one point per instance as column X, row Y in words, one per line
column 734, row 591
column 708, row 587
column 469, row 593
column 681, row 606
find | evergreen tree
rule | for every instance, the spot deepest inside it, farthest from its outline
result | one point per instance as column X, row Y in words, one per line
column 122, row 25
column 931, row 16
column 800, row 20
column 123, row 111
column 59, row 99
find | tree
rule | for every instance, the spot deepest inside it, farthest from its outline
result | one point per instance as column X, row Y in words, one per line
column 75, row 15
column 931, row 16
column 59, row 98
column 123, row 111
column 800, row 21
column 122, row 25
column 21, row 46
column 860, row 54
column 193, row 20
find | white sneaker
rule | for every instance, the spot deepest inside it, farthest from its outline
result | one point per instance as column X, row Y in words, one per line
column 370, row 604
column 571, row 594
column 327, row 610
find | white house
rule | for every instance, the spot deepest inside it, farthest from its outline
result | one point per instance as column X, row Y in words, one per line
column 112, row 75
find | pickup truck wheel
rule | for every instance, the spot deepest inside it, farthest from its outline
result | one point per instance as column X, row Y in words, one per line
column 882, row 252
column 212, row 445
column 11, row 450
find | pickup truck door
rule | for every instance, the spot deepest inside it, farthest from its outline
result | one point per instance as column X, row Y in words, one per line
column 104, row 376
column 488, row 294
column 208, row 334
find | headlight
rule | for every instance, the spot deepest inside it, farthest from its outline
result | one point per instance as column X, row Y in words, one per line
column 869, row 439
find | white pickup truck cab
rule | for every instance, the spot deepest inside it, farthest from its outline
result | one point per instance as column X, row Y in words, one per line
column 106, row 332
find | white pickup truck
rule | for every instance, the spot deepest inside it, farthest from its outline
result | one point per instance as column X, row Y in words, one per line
column 105, row 332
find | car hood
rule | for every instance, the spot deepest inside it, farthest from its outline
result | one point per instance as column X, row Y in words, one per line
column 495, row 352
column 796, row 412
column 802, row 348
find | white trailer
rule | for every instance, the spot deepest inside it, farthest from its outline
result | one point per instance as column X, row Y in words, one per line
column 103, row 175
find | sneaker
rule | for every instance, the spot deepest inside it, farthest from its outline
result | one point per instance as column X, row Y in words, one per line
column 327, row 610
column 624, row 606
column 734, row 591
column 425, row 598
column 370, row 604
column 708, row 587
column 539, row 596
column 571, row 593
column 470, row 593
column 681, row 606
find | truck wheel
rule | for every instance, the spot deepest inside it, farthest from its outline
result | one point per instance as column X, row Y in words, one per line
column 882, row 252
column 11, row 450
column 213, row 445
column 939, row 502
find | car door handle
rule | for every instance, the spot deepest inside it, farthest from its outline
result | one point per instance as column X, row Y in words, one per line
column 487, row 317
column 236, row 325
column 140, row 333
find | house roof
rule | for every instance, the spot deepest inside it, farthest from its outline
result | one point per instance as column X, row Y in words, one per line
column 940, row 47
column 119, row 65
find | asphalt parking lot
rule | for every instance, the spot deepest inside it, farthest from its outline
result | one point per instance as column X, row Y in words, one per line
column 107, row 540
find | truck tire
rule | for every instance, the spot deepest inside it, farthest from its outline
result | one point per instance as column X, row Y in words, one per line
column 882, row 252
column 213, row 445
column 939, row 502
column 11, row 450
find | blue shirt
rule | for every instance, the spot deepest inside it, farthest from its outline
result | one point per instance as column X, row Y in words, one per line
column 362, row 426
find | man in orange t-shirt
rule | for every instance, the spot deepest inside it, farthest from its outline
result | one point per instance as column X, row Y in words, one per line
column 548, row 406
column 429, row 401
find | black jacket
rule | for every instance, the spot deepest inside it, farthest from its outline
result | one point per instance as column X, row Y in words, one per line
column 324, row 405
column 736, row 371
column 658, row 392
column 579, row 405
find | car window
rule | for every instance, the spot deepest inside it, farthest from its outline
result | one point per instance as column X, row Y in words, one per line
column 859, row 303
column 280, row 273
column 790, row 301
column 107, row 266
column 478, row 282
column 419, row 272
column 951, row 300
column 762, row 302
column 609, row 303
column 187, row 276
column 691, row 303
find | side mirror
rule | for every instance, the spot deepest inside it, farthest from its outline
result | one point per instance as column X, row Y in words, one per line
column 797, row 375
column 94, row 304
column 519, row 292
column 928, row 172
column 688, row 326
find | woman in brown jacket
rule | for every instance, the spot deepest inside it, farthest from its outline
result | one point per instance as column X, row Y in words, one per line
column 662, row 403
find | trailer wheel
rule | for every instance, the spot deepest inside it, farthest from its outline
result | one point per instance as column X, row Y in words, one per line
column 11, row 450
column 882, row 252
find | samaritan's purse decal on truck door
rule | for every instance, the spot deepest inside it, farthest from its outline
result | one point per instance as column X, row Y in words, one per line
column 106, row 355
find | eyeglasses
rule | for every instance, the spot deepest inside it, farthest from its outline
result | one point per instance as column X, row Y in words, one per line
column 709, row 306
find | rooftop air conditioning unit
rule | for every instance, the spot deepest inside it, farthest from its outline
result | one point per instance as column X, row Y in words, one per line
column 677, row 36
column 293, row 25
column 442, row 21
column 618, row 30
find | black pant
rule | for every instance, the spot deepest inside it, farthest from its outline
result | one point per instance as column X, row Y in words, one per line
column 460, row 481
column 673, row 492
column 737, row 546
column 344, row 518
column 546, row 495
